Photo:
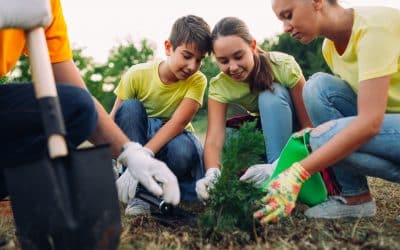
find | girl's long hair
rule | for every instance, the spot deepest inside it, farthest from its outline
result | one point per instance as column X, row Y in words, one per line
column 261, row 76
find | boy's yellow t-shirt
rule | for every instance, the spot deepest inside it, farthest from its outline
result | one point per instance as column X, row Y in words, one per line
column 13, row 43
column 224, row 89
column 143, row 83
column 373, row 51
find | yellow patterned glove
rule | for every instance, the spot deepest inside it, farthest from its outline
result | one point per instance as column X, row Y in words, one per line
column 282, row 194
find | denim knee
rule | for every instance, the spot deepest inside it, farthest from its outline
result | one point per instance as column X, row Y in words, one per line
column 313, row 89
column 79, row 111
column 280, row 95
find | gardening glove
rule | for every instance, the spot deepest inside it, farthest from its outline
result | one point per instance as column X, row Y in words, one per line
column 207, row 182
column 24, row 14
column 148, row 171
column 282, row 194
column 259, row 173
column 126, row 187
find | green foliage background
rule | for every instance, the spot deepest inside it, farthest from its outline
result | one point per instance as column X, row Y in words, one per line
column 101, row 79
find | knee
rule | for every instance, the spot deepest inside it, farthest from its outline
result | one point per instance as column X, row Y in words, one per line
column 131, row 108
column 278, row 97
column 185, row 156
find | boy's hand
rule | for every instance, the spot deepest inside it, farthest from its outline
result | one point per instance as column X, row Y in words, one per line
column 126, row 187
column 282, row 194
column 259, row 173
column 148, row 171
column 207, row 182
column 24, row 14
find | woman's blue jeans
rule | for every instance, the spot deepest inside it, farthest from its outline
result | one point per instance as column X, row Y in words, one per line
column 22, row 137
column 278, row 119
column 183, row 154
column 328, row 98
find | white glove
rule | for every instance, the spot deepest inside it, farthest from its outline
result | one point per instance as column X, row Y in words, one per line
column 207, row 182
column 259, row 173
column 126, row 187
column 148, row 171
column 24, row 14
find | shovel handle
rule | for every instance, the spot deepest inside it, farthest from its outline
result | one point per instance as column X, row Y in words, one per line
column 44, row 84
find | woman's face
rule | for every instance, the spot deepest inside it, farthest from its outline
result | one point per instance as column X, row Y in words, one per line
column 299, row 17
column 234, row 56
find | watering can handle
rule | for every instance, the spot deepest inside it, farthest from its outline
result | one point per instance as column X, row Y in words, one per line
column 45, row 89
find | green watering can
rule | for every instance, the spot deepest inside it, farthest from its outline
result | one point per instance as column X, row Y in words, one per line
column 313, row 191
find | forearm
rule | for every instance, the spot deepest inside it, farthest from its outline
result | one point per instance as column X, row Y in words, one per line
column 340, row 146
column 166, row 133
column 212, row 152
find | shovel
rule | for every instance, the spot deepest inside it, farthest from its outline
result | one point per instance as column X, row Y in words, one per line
column 67, row 199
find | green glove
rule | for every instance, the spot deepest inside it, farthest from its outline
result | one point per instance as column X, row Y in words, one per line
column 282, row 194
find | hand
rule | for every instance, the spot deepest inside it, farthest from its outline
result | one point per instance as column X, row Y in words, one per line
column 24, row 14
column 148, row 171
column 126, row 187
column 282, row 194
column 207, row 182
column 259, row 173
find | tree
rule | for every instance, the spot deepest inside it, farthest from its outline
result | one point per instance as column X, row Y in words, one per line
column 308, row 56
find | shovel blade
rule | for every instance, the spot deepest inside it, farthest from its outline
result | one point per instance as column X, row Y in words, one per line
column 84, row 215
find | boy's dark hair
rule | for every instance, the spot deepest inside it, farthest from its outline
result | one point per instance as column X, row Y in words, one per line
column 191, row 29
column 261, row 77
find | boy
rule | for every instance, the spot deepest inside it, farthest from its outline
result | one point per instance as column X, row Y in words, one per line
column 156, row 102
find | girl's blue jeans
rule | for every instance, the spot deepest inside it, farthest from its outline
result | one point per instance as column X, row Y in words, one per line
column 183, row 154
column 278, row 119
column 331, row 102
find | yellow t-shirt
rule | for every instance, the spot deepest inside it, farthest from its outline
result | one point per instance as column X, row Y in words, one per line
column 12, row 41
column 224, row 89
column 143, row 83
column 373, row 51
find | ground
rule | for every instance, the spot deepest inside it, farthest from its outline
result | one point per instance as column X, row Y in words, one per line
column 297, row 232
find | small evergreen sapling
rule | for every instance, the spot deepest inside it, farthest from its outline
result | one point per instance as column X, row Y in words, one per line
column 232, row 202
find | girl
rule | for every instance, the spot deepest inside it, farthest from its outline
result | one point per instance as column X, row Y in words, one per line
column 356, row 111
column 269, row 83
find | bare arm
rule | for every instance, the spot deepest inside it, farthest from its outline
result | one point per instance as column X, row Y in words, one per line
column 372, row 101
column 297, row 96
column 179, row 120
column 215, row 137
column 117, row 103
column 107, row 131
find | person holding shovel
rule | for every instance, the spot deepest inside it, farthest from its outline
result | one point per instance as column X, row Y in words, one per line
column 356, row 111
column 21, row 132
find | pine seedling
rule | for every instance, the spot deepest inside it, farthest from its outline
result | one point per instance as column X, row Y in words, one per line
column 232, row 202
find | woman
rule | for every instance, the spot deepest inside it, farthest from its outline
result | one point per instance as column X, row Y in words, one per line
column 268, row 83
column 356, row 111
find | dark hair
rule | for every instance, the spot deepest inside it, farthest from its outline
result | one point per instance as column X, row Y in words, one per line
column 191, row 29
column 261, row 76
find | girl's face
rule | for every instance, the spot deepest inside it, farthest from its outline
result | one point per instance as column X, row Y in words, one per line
column 234, row 56
column 299, row 17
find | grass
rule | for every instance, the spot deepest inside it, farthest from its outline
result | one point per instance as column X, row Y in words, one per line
column 296, row 232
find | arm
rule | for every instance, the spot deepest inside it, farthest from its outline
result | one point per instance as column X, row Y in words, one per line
column 215, row 137
column 372, row 101
column 117, row 103
column 179, row 120
column 297, row 96
column 107, row 131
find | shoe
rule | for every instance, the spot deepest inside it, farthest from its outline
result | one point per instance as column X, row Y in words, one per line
column 336, row 207
column 136, row 207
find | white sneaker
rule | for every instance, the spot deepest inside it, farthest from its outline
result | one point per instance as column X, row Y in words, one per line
column 336, row 207
column 136, row 207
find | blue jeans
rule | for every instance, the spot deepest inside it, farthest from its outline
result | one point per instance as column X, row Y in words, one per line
column 183, row 154
column 278, row 119
column 21, row 128
column 328, row 98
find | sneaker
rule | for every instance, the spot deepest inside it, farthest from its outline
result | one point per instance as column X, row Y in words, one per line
column 136, row 207
column 336, row 207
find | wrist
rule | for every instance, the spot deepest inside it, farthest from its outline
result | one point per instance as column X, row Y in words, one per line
column 300, row 171
column 148, row 151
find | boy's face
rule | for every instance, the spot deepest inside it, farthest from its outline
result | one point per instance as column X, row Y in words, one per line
column 184, row 60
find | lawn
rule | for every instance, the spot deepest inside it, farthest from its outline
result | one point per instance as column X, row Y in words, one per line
column 296, row 232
